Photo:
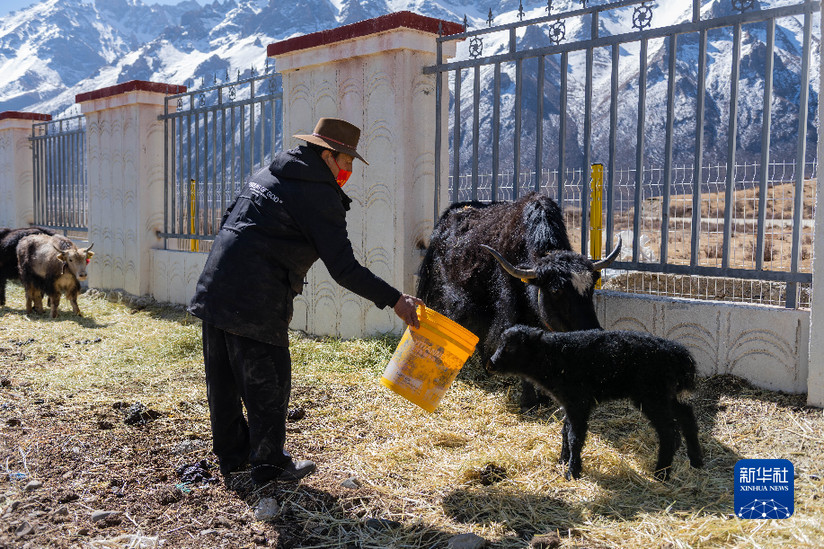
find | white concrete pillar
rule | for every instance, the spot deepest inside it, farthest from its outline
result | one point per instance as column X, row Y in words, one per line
column 815, row 372
column 16, row 174
column 371, row 74
column 124, row 150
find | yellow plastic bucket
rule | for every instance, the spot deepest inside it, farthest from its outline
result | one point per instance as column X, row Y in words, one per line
column 428, row 359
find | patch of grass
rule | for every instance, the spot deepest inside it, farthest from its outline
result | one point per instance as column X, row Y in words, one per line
column 429, row 471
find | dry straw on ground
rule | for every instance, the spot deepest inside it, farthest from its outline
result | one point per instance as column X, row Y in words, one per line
column 475, row 465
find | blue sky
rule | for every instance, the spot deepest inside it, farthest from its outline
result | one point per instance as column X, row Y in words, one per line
column 12, row 5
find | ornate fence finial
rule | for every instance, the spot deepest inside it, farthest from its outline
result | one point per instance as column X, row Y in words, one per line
column 520, row 10
column 557, row 32
column 238, row 75
column 642, row 17
column 549, row 7
column 227, row 76
column 476, row 47
column 466, row 23
column 490, row 19
column 440, row 28
column 584, row 3
column 252, row 71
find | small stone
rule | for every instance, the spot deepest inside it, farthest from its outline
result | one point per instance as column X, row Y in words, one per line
column 267, row 509
column 61, row 514
column 4, row 381
column 97, row 516
column 23, row 530
column 104, row 425
column 32, row 486
column 467, row 541
column 352, row 483
column 83, row 532
column 138, row 414
column 14, row 422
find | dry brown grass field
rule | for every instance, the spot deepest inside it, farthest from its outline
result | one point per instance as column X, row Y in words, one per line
column 71, row 447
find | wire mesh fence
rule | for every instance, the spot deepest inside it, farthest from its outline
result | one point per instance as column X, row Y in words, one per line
column 698, row 249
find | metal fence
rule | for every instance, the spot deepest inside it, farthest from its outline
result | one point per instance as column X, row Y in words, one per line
column 709, row 221
column 59, row 174
column 216, row 137
column 776, row 248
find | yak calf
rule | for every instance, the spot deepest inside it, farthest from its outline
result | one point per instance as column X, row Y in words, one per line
column 51, row 265
column 581, row 369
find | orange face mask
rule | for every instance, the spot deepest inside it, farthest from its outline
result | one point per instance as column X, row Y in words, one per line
column 343, row 175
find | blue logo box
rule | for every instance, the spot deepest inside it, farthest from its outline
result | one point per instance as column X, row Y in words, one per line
column 764, row 489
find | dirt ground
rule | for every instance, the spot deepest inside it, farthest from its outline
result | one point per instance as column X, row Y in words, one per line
column 81, row 459
column 108, row 476
column 104, row 442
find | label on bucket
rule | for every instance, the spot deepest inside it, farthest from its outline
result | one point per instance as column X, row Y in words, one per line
column 421, row 371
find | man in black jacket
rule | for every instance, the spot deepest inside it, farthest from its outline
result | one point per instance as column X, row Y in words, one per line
column 287, row 217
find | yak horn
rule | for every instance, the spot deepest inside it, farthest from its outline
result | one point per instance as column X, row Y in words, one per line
column 607, row 261
column 90, row 246
column 523, row 274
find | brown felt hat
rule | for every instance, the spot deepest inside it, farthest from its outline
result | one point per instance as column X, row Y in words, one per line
column 336, row 134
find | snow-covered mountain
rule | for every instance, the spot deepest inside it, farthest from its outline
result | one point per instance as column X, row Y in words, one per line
column 58, row 48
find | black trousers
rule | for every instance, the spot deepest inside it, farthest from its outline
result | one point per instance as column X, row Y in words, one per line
column 244, row 372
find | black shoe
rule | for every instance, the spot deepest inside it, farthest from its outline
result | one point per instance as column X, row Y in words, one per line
column 289, row 471
column 296, row 470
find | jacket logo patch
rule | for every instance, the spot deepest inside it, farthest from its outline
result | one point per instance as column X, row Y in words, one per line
column 263, row 191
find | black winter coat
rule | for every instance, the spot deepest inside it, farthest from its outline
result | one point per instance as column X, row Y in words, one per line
column 284, row 219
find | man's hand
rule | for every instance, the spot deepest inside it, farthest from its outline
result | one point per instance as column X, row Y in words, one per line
column 406, row 309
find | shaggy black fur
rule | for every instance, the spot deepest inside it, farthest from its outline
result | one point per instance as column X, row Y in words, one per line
column 464, row 281
column 581, row 369
column 9, row 239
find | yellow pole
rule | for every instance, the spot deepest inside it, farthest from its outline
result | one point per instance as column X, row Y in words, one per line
column 596, row 208
column 194, row 244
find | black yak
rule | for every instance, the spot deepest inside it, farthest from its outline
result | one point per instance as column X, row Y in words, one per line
column 582, row 369
column 491, row 266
